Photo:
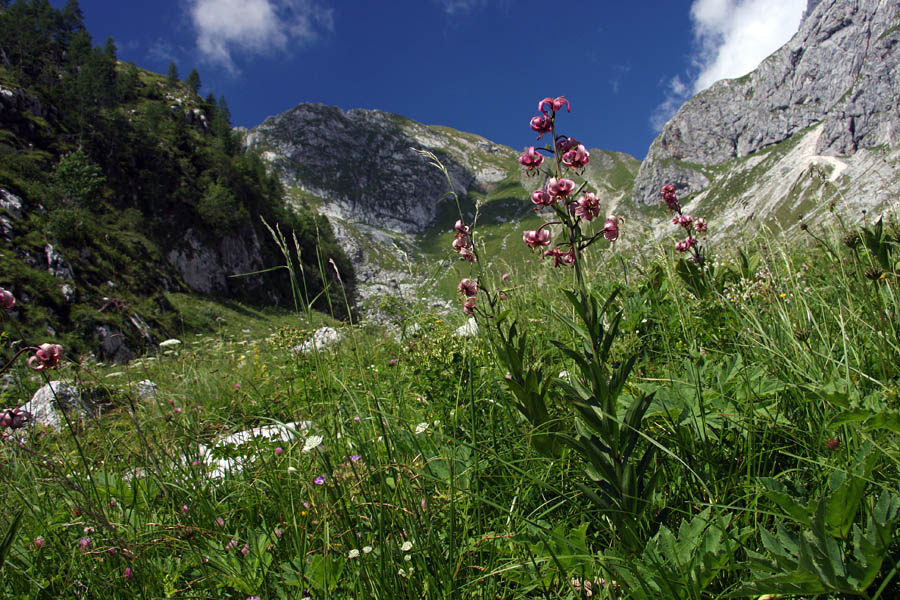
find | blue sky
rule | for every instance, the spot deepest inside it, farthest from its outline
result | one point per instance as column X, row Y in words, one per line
column 475, row 65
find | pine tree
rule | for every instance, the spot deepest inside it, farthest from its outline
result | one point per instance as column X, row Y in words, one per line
column 109, row 50
column 173, row 72
column 72, row 17
column 193, row 81
column 221, row 126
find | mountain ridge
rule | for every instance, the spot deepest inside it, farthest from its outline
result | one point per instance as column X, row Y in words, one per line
column 396, row 197
column 837, row 70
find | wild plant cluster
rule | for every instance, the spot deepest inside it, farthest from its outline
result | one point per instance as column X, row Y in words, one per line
column 716, row 426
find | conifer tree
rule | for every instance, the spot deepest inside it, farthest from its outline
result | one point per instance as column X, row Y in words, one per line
column 193, row 81
column 109, row 50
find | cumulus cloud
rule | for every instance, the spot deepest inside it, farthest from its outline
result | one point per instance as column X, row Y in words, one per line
column 734, row 37
column 255, row 26
column 731, row 38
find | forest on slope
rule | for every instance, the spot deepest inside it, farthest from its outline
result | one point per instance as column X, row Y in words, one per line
column 119, row 186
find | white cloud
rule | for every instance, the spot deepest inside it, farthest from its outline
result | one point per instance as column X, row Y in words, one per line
column 677, row 86
column 161, row 51
column 677, row 94
column 731, row 38
column 453, row 7
column 618, row 71
column 464, row 7
column 734, row 36
column 255, row 26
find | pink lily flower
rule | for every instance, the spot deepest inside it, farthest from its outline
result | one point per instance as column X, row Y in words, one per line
column 46, row 357
column 468, row 288
column 542, row 198
column 560, row 187
column 534, row 239
column 531, row 159
column 462, row 229
column 611, row 229
column 577, row 157
column 542, row 124
column 554, row 104
column 587, row 207
column 7, row 300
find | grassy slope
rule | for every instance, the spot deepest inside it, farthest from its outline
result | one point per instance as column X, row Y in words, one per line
column 121, row 235
column 445, row 464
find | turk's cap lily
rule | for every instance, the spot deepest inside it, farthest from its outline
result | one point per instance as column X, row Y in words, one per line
column 531, row 158
column 611, row 228
column 46, row 356
column 577, row 157
column 554, row 104
column 560, row 187
column 534, row 239
column 542, row 124
column 468, row 287
column 542, row 198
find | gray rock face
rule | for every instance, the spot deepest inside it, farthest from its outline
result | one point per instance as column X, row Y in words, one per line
column 14, row 103
column 11, row 202
column 840, row 69
column 362, row 161
column 112, row 345
column 206, row 267
column 57, row 265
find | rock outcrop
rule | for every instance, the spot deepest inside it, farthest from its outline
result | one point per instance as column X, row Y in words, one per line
column 208, row 265
column 839, row 70
column 364, row 163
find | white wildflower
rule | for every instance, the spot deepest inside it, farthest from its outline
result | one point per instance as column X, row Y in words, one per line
column 421, row 427
column 353, row 553
column 311, row 442
column 406, row 547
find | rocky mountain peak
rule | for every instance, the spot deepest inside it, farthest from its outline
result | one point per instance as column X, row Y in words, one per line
column 362, row 162
column 840, row 70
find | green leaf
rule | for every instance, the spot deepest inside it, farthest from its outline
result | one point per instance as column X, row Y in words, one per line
column 783, row 547
column 870, row 420
column 10, row 537
column 843, row 503
column 323, row 572
column 791, row 504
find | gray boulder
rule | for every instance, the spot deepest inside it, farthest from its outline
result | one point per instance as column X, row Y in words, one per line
column 321, row 339
column 45, row 404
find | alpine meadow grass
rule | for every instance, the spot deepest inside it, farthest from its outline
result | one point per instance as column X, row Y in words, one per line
column 715, row 425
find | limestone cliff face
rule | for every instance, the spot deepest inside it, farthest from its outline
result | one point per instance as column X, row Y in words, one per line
column 363, row 163
column 840, row 70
